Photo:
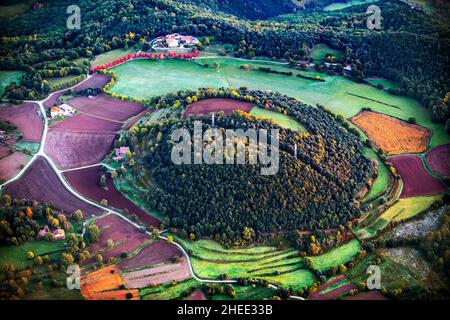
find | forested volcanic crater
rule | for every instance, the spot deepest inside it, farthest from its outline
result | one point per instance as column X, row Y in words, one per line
column 317, row 189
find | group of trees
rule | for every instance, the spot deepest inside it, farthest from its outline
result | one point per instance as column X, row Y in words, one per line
column 315, row 191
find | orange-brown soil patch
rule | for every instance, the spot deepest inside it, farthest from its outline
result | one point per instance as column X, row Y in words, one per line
column 392, row 135
column 106, row 284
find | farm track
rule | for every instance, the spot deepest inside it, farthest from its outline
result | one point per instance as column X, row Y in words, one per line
column 58, row 172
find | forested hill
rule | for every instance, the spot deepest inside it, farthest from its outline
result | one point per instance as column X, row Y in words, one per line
column 249, row 9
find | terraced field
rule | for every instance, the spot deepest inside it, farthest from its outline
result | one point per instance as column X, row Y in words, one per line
column 402, row 210
column 337, row 256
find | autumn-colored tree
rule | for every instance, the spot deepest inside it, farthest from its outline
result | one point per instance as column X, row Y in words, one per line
column 30, row 255
column 29, row 213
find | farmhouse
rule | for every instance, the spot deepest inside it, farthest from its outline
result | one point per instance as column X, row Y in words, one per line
column 120, row 153
column 174, row 41
column 62, row 110
column 58, row 234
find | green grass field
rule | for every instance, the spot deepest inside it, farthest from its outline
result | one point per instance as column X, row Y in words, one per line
column 319, row 52
column 278, row 118
column 109, row 56
column 278, row 266
column 402, row 210
column 343, row 5
column 144, row 79
column 382, row 179
column 247, row 293
column 8, row 77
column 168, row 291
column 387, row 84
column 18, row 255
column 336, row 256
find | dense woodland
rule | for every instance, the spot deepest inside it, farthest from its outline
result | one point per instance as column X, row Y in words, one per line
column 220, row 201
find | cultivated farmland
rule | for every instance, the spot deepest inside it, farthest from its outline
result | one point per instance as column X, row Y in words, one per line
column 156, row 275
column 402, row 210
column 71, row 149
column 86, row 123
column 41, row 183
column 87, row 182
column 393, row 135
column 106, row 284
column 105, row 107
column 227, row 106
column 26, row 118
column 11, row 165
column 416, row 180
column 152, row 254
column 438, row 160
column 124, row 237
column 282, row 266
column 96, row 81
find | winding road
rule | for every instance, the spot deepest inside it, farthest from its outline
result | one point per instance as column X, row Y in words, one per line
column 59, row 173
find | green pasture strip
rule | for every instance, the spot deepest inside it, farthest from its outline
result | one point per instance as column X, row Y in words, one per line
column 297, row 279
column 382, row 179
column 18, row 255
column 167, row 291
column 277, row 264
column 279, row 270
column 336, row 256
column 387, row 84
column 249, row 292
column 280, row 119
column 212, row 270
column 208, row 246
column 403, row 209
column 31, row 147
column 110, row 56
column 344, row 5
column 335, row 286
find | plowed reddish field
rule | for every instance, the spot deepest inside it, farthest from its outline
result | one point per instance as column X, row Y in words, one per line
column 53, row 99
column 87, row 182
column 157, row 275
column 126, row 237
column 155, row 253
column 72, row 149
column 96, row 81
column 416, row 180
column 26, row 118
column 83, row 122
column 11, row 165
column 207, row 106
column 106, row 107
column 438, row 159
column 40, row 183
